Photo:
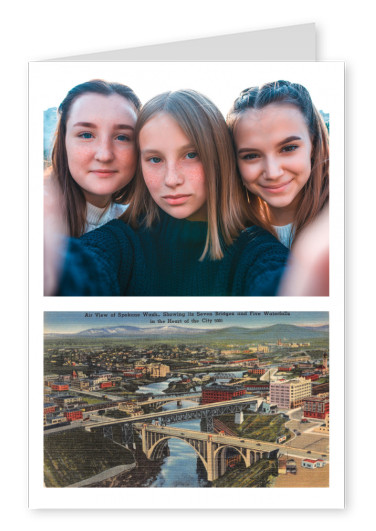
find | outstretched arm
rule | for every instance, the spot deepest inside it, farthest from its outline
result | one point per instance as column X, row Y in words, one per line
column 98, row 263
column 308, row 272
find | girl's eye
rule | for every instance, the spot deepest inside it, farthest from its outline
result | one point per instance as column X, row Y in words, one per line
column 250, row 156
column 86, row 136
column 123, row 138
column 290, row 148
column 155, row 160
column 191, row 155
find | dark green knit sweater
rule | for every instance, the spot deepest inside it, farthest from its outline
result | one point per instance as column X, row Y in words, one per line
column 164, row 260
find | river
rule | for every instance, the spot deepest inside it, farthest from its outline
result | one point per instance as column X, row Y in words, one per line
column 180, row 468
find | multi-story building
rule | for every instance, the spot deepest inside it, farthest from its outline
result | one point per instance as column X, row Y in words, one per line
column 158, row 370
column 65, row 400
column 104, row 385
column 316, row 407
column 219, row 393
column 263, row 348
column 318, row 389
column 59, row 386
column 80, row 384
column 49, row 408
column 311, row 376
column 288, row 394
column 256, row 370
column 257, row 387
column 74, row 414
column 132, row 374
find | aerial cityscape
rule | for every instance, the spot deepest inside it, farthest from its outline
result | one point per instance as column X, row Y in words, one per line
column 186, row 399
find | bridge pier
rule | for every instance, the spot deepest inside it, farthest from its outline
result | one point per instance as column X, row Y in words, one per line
column 239, row 417
column 127, row 435
column 107, row 432
column 209, row 422
column 210, row 460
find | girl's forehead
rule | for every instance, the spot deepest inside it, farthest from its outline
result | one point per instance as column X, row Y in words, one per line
column 272, row 116
column 93, row 102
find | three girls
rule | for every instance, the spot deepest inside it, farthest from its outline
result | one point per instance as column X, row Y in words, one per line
column 185, row 230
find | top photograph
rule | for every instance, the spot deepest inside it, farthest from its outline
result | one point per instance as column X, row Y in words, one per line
column 186, row 179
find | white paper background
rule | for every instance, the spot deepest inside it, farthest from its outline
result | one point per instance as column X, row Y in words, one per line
column 42, row 29
column 325, row 81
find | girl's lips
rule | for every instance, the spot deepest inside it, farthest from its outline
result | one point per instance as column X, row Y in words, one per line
column 178, row 199
column 104, row 173
column 276, row 189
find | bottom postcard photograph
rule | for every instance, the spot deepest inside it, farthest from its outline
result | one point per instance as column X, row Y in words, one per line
column 205, row 400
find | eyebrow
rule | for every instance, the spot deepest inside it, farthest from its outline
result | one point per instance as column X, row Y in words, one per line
column 155, row 150
column 285, row 141
column 289, row 139
column 93, row 126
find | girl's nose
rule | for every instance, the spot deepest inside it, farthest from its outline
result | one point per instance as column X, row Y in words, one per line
column 173, row 176
column 104, row 151
column 273, row 168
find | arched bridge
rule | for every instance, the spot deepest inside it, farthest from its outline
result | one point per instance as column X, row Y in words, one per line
column 210, row 448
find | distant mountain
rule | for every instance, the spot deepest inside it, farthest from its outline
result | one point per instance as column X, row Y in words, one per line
column 233, row 333
column 273, row 333
column 126, row 331
column 323, row 328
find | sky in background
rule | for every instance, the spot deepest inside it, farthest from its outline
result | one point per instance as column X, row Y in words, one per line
column 220, row 81
column 70, row 322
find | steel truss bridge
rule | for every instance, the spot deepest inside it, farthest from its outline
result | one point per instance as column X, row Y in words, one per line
column 228, row 375
column 157, row 401
column 207, row 412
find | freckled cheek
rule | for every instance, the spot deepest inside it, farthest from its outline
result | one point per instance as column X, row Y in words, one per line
column 78, row 156
column 153, row 178
column 194, row 173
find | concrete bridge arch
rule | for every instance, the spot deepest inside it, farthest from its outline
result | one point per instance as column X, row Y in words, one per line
column 156, row 450
column 211, row 452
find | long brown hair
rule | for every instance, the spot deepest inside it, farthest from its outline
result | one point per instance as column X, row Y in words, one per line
column 204, row 125
column 73, row 197
column 315, row 193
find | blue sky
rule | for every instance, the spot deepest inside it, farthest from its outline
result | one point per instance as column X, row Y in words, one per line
column 68, row 322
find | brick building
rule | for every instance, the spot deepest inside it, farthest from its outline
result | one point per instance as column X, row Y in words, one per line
column 316, row 407
column 219, row 393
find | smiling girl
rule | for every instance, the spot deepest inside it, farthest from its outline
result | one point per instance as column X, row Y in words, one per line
column 184, row 230
column 94, row 156
column 282, row 151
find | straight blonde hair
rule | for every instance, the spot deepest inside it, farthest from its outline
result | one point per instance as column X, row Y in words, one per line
column 202, row 122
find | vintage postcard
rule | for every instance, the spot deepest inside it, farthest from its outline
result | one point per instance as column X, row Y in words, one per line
column 186, row 399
